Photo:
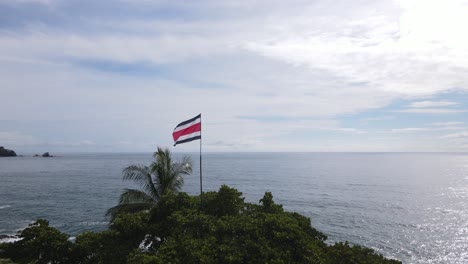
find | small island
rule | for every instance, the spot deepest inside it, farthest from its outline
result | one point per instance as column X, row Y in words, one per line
column 7, row 152
column 44, row 155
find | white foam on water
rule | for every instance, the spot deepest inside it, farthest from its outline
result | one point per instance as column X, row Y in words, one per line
column 94, row 223
column 5, row 206
column 9, row 240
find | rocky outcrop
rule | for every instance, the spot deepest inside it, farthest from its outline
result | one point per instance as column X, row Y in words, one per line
column 7, row 152
column 44, row 155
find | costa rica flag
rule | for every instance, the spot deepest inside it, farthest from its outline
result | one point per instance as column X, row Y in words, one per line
column 187, row 131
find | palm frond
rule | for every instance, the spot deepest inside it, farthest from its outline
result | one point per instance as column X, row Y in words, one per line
column 163, row 160
column 183, row 167
column 141, row 175
column 178, row 170
column 135, row 196
column 113, row 212
column 162, row 177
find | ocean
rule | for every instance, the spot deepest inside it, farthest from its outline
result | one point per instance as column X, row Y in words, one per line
column 408, row 206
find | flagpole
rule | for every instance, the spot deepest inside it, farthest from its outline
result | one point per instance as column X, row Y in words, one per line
column 201, row 178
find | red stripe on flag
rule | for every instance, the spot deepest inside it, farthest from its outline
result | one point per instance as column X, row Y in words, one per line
column 188, row 130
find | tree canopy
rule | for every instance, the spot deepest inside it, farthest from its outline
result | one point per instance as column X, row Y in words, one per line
column 225, row 229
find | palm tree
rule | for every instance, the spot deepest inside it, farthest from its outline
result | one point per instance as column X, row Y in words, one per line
column 162, row 177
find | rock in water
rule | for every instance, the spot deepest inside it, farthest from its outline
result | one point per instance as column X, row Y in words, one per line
column 7, row 152
column 46, row 155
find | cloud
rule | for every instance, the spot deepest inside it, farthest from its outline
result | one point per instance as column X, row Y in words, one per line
column 431, row 104
column 15, row 138
column 409, row 129
column 447, row 124
column 347, row 129
column 392, row 51
column 454, row 125
column 117, row 48
column 456, row 135
column 28, row 2
column 432, row 127
column 260, row 72
column 379, row 118
column 44, row 2
column 86, row 142
column 456, row 141
column 432, row 111
column 432, row 107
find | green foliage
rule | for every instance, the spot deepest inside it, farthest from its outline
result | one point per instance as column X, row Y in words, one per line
column 114, row 245
column 343, row 253
column 177, row 229
column 162, row 177
column 268, row 205
column 137, row 258
column 106, row 247
column 228, row 230
column 6, row 261
column 226, row 201
column 41, row 243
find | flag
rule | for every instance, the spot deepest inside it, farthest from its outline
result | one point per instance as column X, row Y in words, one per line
column 187, row 131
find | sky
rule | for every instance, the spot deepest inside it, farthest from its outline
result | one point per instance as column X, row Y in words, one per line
column 266, row 75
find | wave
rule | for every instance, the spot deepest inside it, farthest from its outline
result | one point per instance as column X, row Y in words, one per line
column 93, row 223
column 5, row 206
column 9, row 239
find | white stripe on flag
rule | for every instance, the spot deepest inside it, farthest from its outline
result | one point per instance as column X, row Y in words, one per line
column 194, row 134
column 198, row 120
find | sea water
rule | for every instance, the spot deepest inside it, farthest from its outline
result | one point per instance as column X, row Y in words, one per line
column 408, row 206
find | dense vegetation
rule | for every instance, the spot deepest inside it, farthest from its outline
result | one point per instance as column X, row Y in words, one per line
column 226, row 229
column 158, row 224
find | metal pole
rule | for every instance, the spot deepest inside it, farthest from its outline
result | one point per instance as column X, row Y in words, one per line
column 201, row 178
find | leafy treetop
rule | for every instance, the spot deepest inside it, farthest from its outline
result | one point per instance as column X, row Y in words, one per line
column 225, row 229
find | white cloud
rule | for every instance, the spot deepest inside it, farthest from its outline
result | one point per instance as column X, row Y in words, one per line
column 432, row 111
column 409, row 129
column 447, row 124
column 456, row 141
column 389, row 50
column 359, row 48
column 309, row 62
column 119, row 48
column 15, row 138
column 44, row 2
column 430, row 104
column 432, row 107
column 347, row 129
column 380, row 118
column 432, row 127
column 86, row 142
column 456, row 135
column 454, row 125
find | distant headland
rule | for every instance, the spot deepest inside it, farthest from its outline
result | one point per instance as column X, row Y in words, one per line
column 7, row 152
column 10, row 153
